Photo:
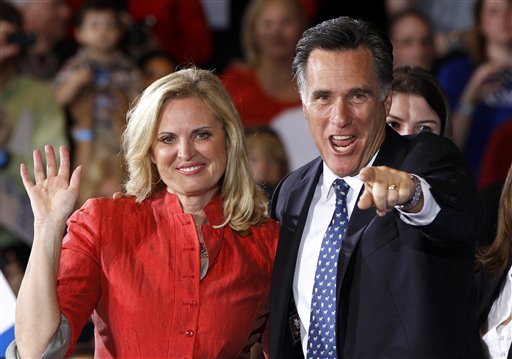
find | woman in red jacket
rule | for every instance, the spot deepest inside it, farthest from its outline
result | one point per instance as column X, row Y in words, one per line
column 181, row 267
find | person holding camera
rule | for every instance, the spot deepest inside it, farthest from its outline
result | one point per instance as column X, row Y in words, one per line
column 29, row 118
column 96, row 86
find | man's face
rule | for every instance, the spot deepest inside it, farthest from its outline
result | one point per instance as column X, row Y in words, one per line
column 344, row 107
column 48, row 19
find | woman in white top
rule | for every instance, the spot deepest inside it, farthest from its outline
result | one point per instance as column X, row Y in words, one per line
column 495, row 282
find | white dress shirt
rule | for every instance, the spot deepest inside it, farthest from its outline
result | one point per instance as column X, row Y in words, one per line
column 319, row 215
column 499, row 336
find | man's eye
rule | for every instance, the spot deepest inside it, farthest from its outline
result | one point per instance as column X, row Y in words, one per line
column 358, row 98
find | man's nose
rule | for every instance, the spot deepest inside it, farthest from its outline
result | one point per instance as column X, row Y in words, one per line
column 340, row 113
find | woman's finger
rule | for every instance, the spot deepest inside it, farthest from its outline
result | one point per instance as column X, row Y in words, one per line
column 64, row 167
column 25, row 177
column 76, row 178
column 38, row 167
column 51, row 162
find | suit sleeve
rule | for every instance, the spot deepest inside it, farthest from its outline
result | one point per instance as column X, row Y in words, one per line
column 442, row 165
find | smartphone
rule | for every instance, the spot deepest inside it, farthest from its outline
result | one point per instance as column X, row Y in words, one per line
column 21, row 38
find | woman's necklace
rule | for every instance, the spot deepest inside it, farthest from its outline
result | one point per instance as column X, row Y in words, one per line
column 203, row 253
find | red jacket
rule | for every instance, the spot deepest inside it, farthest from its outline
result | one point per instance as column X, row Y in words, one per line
column 136, row 268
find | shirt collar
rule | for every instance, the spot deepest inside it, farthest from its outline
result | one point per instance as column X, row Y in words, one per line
column 353, row 181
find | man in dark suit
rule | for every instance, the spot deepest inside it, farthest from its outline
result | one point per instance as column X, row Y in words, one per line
column 402, row 283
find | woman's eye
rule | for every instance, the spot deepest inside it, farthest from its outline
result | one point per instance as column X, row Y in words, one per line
column 203, row 135
column 167, row 139
column 424, row 128
column 394, row 125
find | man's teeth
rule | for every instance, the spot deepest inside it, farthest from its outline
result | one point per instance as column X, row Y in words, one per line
column 338, row 138
column 341, row 138
column 190, row 169
column 342, row 148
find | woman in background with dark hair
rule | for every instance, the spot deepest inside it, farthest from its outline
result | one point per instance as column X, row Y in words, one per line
column 418, row 103
column 495, row 282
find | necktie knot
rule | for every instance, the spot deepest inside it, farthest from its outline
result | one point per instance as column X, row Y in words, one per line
column 341, row 189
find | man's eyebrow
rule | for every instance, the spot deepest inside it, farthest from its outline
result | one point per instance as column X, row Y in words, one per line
column 360, row 91
column 318, row 93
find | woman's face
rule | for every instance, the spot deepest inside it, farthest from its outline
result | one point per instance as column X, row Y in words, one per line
column 278, row 29
column 411, row 114
column 496, row 21
column 412, row 43
column 190, row 148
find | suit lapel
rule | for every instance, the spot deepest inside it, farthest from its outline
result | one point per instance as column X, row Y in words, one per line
column 293, row 223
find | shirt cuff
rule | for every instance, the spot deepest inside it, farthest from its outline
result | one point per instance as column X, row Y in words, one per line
column 429, row 211
column 57, row 348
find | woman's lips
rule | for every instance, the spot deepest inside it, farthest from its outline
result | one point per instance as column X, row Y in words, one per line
column 190, row 169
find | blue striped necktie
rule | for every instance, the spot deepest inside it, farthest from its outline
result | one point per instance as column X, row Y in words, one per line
column 322, row 326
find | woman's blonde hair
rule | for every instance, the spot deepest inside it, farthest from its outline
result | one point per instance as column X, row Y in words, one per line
column 498, row 256
column 251, row 15
column 244, row 204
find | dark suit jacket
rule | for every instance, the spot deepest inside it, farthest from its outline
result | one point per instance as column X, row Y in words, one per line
column 489, row 286
column 403, row 291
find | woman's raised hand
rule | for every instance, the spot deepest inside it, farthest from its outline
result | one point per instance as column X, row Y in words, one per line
column 54, row 194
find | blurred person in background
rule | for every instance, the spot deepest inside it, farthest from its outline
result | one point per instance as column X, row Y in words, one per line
column 154, row 65
column 48, row 22
column 96, row 86
column 268, row 159
column 29, row 118
column 478, row 84
column 176, row 27
column 413, row 39
column 262, row 86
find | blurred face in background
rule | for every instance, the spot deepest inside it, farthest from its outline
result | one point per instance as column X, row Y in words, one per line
column 412, row 43
column 100, row 30
column 411, row 114
column 48, row 19
column 278, row 28
column 496, row 21
column 155, row 68
column 8, row 51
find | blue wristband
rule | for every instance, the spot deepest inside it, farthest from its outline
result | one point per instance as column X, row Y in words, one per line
column 83, row 134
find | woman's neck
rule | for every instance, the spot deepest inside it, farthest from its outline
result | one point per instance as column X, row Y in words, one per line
column 195, row 204
column 499, row 52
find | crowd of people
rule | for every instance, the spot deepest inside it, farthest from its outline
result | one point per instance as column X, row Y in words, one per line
column 342, row 187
